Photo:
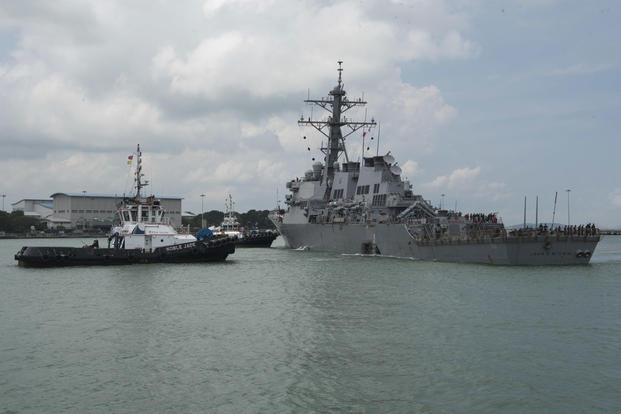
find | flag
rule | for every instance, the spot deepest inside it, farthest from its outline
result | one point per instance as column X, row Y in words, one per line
column 129, row 162
column 364, row 134
column 129, row 159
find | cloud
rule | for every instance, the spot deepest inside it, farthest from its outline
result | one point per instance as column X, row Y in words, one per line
column 493, row 191
column 211, row 89
column 451, row 45
column 219, row 64
column 467, row 181
column 582, row 69
column 212, row 7
column 615, row 197
column 410, row 168
column 461, row 179
column 410, row 115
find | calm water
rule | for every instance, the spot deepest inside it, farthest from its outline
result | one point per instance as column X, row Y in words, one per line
column 273, row 330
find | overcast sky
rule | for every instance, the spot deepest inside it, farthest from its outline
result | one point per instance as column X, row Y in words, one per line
column 483, row 101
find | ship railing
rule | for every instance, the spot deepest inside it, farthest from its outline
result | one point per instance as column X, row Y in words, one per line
column 425, row 240
column 555, row 237
column 571, row 232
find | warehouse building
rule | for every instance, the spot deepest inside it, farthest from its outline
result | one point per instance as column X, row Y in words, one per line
column 92, row 211
column 39, row 208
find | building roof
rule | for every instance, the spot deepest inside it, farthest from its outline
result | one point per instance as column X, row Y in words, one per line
column 37, row 200
column 91, row 195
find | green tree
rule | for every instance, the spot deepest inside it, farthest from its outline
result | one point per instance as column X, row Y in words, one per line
column 250, row 220
column 255, row 219
column 16, row 222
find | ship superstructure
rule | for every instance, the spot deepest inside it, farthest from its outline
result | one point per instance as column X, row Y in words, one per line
column 343, row 205
column 143, row 222
column 366, row 207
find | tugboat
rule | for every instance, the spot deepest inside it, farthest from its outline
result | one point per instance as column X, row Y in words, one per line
column 245, row 238
column 144, row 235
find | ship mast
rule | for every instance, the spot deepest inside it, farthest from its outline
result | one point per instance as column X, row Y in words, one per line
column 228, row 204
column 138, row 179
column 337, row 104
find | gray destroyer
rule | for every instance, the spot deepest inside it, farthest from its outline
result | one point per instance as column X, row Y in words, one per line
column 365, row 207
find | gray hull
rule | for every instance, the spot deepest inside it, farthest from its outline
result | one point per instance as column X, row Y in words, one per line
column 389, row 239
column 394, row 240
column 512, row 251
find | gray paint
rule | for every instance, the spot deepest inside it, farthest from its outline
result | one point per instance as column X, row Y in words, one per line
column 366, row 207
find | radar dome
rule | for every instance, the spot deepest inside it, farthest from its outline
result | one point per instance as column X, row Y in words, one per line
column 395, row 169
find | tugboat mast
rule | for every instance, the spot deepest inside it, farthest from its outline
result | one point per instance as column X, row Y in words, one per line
column 337, row 105
column 228, row 205
column 139, row 183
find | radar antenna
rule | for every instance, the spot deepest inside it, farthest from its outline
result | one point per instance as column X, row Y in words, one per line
column 337, row 104
column 340, row 70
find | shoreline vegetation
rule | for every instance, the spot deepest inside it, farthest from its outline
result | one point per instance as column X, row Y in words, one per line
column 16, row 225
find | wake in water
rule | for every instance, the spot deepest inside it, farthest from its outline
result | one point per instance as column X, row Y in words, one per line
column 380, row 255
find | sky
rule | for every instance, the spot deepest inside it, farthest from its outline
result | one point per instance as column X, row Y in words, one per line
column 486, row 102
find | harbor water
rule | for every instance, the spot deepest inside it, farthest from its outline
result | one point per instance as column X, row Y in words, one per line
column 282, row 331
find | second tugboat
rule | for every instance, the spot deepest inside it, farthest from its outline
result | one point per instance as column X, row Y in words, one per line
column 144, row 235
column 244, row 238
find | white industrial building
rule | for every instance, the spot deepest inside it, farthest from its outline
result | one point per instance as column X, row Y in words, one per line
column 38, row 208
column 89, row 211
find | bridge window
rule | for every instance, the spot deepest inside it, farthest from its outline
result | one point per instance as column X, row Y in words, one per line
column 338, row 193
column 363, row 189
column 379, row 200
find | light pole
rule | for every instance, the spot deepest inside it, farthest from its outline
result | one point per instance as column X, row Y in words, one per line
column 202, row 211
column 568, row 222
column 3, row 196
column 442, row 202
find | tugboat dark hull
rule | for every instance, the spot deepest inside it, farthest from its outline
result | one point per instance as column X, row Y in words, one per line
column 198, row 251
column 263, row 239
